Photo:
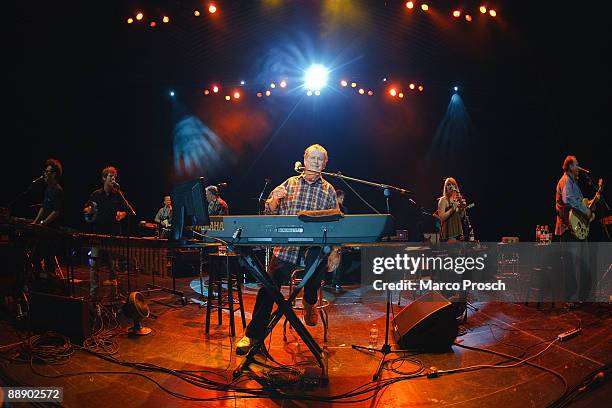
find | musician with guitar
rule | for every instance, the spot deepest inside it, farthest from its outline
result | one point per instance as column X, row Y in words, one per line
column 164, row 217
column 574, row 213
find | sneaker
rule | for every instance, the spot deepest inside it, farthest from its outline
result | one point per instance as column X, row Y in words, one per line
column 311, row 317
column 244, row 345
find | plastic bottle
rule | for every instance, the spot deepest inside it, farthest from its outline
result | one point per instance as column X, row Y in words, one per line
column 537, row 233
column 471, row 236
column 373, row 337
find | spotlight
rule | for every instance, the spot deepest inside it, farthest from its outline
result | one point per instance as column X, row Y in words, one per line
column 259, row 94
column 317, row 92
column 236, row 95
column 456, row 88
column 424, row 7
column 316, row 77
column 272, row 85
column 166, row 19
column 384, row 79
column 370, row 93
column 353, row 84
column 483, row 9
column 361, row 91
column 171, row 93
column 268, row 93
column 392, row 92
column 215, row 89
column 401, row 94
column 196, row 13
column 409, row 5
column 206, row 92
column 420, row 88
column 456, row 14
column 130, row 20
column 152, row 24
column 309, row 93
column 227, row 97
column 139, row 16
column 468, row 17
column 212, row 9
column 283, row 84
column 241, row 82
column 411, row 86
column 343, row 83
column 492, row 13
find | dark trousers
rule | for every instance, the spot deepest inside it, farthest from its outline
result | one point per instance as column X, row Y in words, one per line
column 576, row 268
column 280, row 271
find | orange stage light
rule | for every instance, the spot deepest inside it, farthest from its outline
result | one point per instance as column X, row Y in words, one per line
column 468, row 17
column 166, row 19
column 227, row 97
column 392, row 92
column 353, row 84
column 130, row 20
column 212, row 9
column 456, row 14
column 361, row 91
column 411, row 86
column 420, row 88
column 492, row 13
column 343, row 83
column 259, row 94
column 370, row 93
column 283, row 84
column 409, row 5
column 196, row 13
column 206, row 92
column 268, row 93
column 483, row 9
column 236, row 95
column 401, row 95
column 424, row 7
column 139, row 16
column 215, row 89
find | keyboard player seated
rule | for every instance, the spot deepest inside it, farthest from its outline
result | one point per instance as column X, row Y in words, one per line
column 307, row 191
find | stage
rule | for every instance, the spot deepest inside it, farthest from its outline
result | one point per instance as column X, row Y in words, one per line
column 178, row 352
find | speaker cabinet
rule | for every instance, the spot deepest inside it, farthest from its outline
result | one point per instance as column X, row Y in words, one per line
column 428, row 323
column 66, row 315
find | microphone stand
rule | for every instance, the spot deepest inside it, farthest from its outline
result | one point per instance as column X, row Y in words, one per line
column 259, row 200
column 387, row 189
column 131, row 213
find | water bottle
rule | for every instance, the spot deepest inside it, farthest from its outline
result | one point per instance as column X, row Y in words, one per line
column 373, row 339
column 537, row 233
column 471, row 236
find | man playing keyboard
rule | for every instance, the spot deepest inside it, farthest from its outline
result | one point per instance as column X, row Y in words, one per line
column 307, row 191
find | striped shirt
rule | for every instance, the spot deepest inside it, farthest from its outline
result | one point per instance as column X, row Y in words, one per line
column 301, row 196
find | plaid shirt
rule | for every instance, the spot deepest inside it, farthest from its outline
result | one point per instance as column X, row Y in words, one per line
column 218, row 207
column 302, row 195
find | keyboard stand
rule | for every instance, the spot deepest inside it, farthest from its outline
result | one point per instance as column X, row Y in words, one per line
column 284, row 309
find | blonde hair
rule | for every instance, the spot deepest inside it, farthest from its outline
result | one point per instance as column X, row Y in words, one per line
column 447, row 181
column 315, row 147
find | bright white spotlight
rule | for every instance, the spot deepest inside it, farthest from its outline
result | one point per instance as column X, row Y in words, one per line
column 316, row 77
column 171, row 93
column 456, row 88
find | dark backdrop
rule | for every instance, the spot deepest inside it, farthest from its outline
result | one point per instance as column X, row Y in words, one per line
column 93, row 91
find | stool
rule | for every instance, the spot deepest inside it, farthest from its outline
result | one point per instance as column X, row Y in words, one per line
column 539, row 279
column 221, row 271
column 322, row 304
column 508, row 259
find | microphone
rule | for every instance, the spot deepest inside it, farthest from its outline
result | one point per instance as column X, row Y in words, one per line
column 115, row 184
column 38, row 179
column 267, row 179
column 583, row 170
column 298, row 167
column 222, row 185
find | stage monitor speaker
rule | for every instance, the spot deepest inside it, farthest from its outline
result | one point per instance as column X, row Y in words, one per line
column 66, row 315
column 428, row 323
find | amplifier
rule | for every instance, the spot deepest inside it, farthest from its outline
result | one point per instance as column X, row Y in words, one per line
column 66, row 315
